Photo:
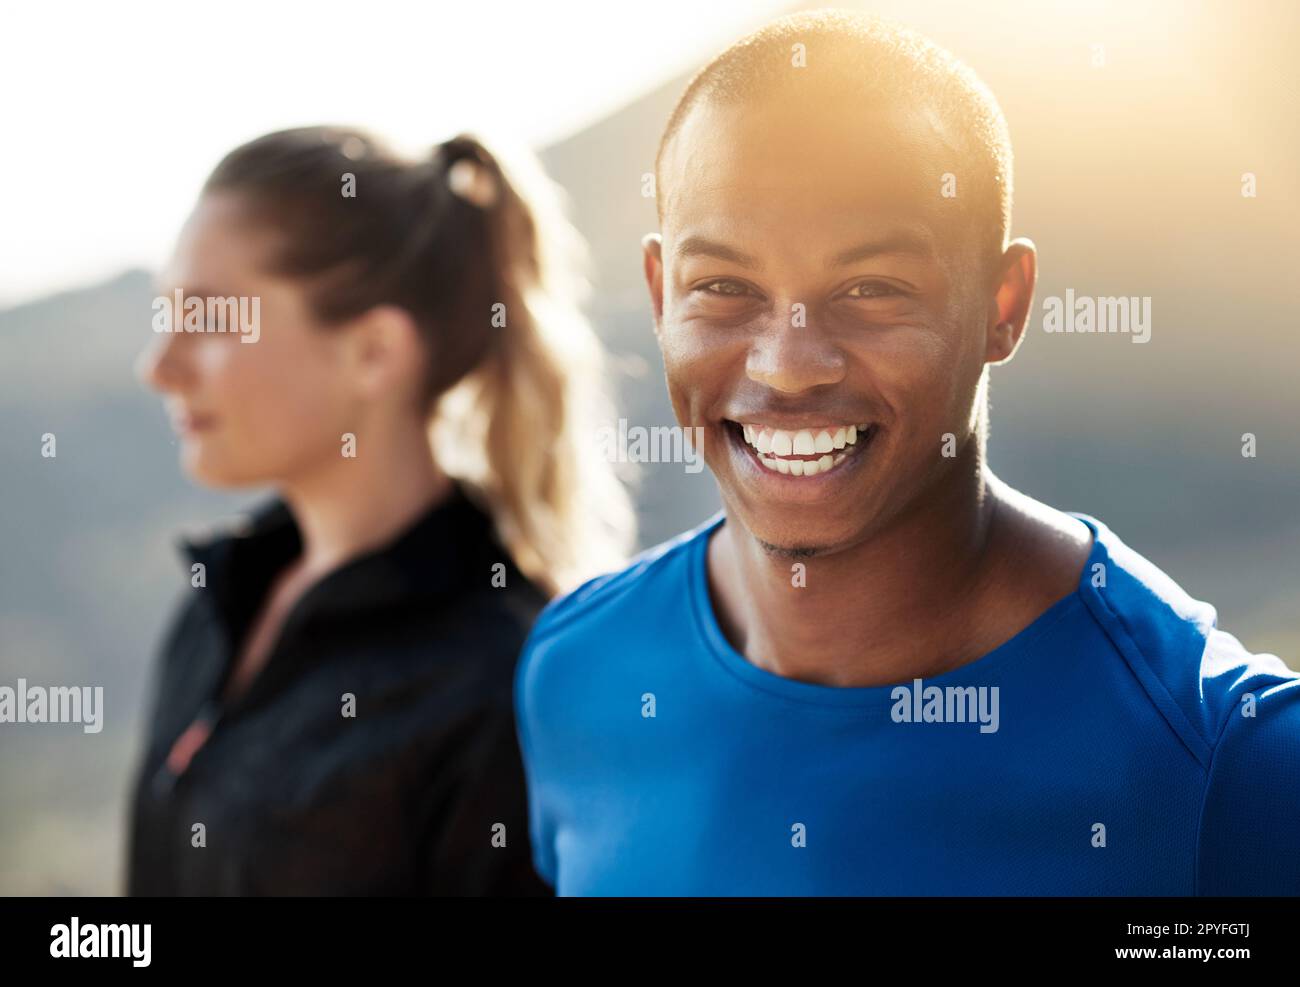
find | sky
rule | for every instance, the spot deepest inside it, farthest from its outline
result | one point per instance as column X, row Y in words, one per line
column 111, row 115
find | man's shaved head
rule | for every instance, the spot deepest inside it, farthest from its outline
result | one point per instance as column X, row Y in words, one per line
column 853, row 63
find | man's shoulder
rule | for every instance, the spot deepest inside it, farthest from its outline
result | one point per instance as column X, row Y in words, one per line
column 600, row 617
column 1195, row 673
column 629, row 588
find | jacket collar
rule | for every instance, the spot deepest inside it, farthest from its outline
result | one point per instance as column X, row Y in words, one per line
column 427, row 560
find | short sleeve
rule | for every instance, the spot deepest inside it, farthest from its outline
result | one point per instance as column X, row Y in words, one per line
column 1249, row 838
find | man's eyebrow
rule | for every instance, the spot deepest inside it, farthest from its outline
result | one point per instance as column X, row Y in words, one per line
column 698, row 246
column 900, row 242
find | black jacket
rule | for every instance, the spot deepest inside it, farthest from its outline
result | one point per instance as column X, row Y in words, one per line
column 294, row 797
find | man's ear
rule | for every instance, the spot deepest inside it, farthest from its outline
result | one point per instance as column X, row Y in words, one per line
column 1012, row 300
column 653, row 261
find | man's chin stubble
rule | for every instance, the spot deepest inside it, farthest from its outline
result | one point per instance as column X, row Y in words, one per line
column 786, row 552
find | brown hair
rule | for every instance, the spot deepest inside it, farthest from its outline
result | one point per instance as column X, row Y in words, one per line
column 483, row 259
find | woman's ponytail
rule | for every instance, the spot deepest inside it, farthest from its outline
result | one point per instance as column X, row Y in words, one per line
column 520, row 427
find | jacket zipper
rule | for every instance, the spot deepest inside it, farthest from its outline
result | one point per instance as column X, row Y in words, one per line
column 190, row 742
column 195, row 736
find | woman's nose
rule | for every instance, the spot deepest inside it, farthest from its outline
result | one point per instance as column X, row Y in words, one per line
column 158, row 365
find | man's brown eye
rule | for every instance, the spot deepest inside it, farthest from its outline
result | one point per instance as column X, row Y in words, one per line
column 728, row 288
column 872, row 289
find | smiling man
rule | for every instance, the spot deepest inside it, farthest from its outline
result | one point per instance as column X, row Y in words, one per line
column 880, row 670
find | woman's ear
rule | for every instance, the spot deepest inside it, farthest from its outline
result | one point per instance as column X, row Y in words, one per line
column 386, row 352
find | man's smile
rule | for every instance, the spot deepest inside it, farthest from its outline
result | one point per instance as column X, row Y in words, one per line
column 804, row 455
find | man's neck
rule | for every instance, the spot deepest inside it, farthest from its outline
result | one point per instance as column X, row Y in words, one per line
column 934, row 589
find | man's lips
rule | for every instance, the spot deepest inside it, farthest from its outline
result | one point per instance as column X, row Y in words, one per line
column 801, row 453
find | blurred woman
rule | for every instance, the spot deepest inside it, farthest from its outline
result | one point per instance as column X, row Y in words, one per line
column 332, row 711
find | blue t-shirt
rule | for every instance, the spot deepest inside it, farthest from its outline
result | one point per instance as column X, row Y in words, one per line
column 1118, row 745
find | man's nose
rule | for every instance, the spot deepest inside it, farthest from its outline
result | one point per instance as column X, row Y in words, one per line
column 792, row 358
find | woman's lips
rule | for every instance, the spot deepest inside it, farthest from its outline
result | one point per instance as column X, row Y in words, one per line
column 192, row 423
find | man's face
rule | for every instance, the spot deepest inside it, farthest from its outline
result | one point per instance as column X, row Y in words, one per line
column 815, row 283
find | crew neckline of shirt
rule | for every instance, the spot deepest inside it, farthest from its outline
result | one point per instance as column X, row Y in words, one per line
column 870, row 696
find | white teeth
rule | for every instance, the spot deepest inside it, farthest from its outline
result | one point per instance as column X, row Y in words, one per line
column 773, row 444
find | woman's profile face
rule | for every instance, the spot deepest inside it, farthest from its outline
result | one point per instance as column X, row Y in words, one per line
column 269, row 403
